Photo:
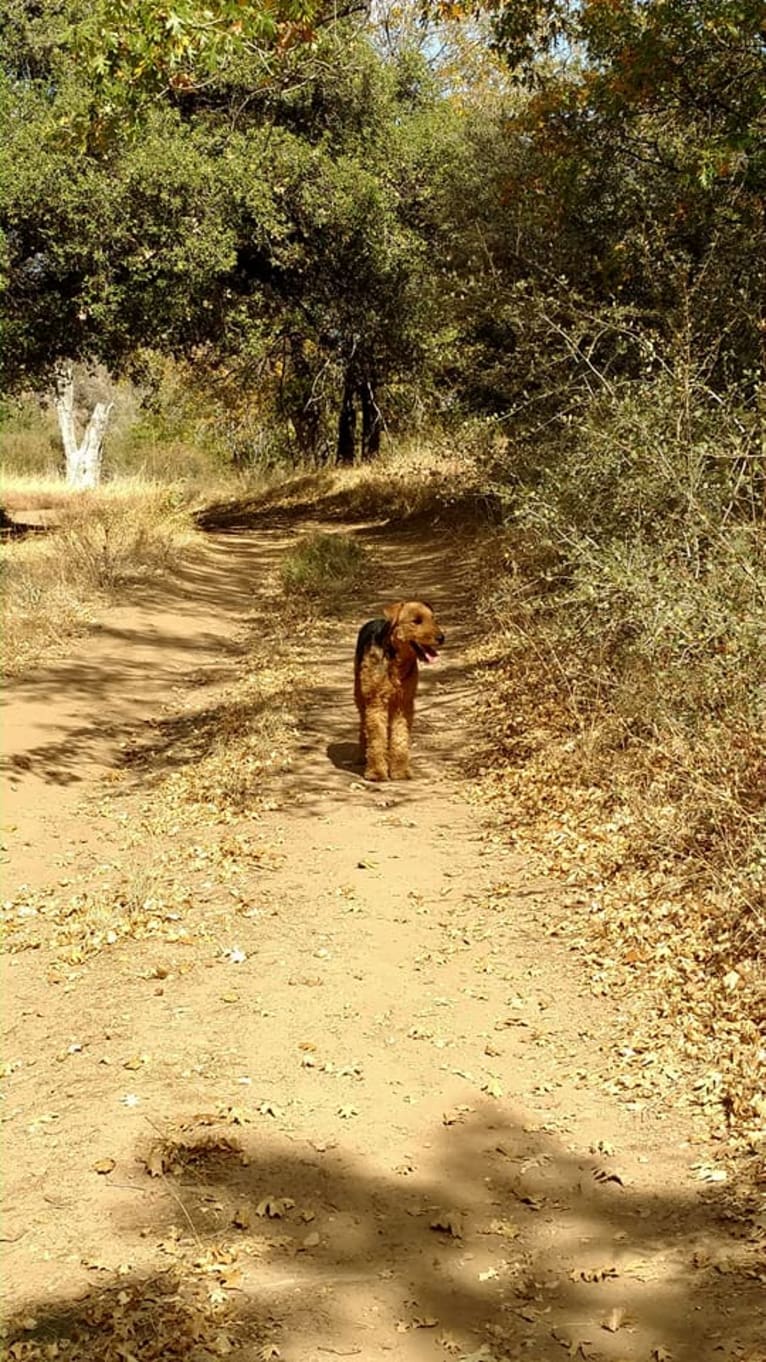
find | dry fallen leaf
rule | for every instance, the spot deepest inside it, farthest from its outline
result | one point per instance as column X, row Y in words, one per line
column 447, row 1224
column 614, row 1320
column 505, row 1228
column 607, row 1175
column 593, row 1274
column 493, row 1088
column 268, row 1108
column 274, row 1207
column 155, row 1163
column 104, row 1166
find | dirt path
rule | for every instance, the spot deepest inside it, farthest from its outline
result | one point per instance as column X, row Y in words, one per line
column 346, row 1095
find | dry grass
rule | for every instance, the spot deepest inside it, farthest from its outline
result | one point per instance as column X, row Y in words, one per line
column 99, row 543
column 435, row 481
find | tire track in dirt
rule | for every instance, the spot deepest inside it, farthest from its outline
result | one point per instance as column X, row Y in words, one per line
column 368, row 1081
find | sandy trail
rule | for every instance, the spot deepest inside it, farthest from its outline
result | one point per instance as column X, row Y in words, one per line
column 413, row 1070
column 63, row 723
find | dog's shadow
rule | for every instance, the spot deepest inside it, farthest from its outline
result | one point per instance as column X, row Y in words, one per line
column 345, row 756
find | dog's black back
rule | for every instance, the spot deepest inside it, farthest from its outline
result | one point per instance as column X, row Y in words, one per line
column 374, row 632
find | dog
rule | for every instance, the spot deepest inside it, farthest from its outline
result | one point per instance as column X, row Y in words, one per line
column 388, row 652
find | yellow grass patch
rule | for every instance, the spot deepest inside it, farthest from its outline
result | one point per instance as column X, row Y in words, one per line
column 98, row 543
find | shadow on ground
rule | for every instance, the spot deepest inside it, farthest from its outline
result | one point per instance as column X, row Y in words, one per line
column 507, row 1242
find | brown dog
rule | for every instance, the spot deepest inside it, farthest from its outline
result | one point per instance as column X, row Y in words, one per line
column 388, row 651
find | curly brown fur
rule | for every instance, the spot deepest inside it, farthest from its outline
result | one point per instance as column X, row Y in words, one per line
column 388, row 652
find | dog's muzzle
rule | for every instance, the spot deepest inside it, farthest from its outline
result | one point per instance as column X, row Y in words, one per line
column 424, row 652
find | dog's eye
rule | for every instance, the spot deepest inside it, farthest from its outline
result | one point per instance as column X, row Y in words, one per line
column 418, row 619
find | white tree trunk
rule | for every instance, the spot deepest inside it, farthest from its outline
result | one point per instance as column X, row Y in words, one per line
column 64, row 401
column 83, row 459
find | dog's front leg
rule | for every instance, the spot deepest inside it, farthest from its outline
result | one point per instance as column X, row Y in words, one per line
column 399, row 739
column 376, row 742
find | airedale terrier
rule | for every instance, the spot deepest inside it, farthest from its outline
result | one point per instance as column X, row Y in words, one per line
column 388, row 651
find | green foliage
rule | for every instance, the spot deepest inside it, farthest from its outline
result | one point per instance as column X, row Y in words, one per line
column 105, row 257
column 340, row 250
column 269, row 233
column 321, row 567
column 130, row 53
column 695, row 62
column 138, row 45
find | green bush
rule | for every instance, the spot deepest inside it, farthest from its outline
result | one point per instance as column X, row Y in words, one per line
column 322, row 567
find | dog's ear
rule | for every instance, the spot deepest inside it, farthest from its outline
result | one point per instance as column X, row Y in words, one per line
column 392, row 612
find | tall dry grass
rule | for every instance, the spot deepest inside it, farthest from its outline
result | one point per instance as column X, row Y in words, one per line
column 96, row 546
column 440, row 479
column 160, row 437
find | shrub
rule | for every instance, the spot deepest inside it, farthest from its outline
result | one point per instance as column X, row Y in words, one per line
column 322, row 567
column 627, row 705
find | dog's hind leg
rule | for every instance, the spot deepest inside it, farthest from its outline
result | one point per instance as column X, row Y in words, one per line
column 376, row 742
column 361, row 707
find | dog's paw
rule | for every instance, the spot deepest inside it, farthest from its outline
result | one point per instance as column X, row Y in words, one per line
column 401, row 773
column 375, row 775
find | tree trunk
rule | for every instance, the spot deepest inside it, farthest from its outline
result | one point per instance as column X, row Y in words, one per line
column 347, row 423
column 83, row 460
column 64, row 386
column 372, row 421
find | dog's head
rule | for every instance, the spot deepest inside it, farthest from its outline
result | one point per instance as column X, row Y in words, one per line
column 413, row 626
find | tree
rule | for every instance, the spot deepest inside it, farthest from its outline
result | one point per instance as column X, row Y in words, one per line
column 263, row 228
column 612, row 209
column 82, row 456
